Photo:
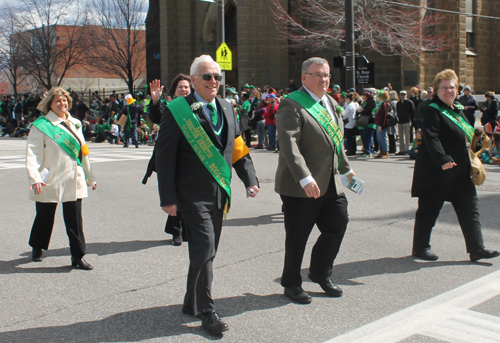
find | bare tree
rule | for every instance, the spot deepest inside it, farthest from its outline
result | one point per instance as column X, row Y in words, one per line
column 121, row 41
column 388, row 28
column 11, row 60
column 52, row 36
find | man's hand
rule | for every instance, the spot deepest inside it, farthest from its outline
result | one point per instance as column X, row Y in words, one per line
column 349, row 176
column 312, row 190
column 171, row 210
column 156, row 91
column 252, row 191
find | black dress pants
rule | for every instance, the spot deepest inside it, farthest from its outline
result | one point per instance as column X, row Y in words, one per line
column 329, row 213
column 44, row 223
column 203, row 231
column 467, row 211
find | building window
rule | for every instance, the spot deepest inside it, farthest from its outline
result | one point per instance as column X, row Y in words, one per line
column 470, row 23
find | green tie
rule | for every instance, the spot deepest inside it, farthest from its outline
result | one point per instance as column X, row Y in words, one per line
column 213, row 114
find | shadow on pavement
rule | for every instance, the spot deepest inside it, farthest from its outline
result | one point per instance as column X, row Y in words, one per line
column 143, row 324
column 255, row 221
column 101, row 249
column 344, row 274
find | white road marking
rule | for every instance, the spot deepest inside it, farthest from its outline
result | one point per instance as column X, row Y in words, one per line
column 446, row 317
column 96, row 156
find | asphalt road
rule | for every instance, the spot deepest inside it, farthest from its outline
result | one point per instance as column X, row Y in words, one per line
column 135, row 291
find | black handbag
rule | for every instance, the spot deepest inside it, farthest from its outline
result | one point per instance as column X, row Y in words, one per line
column 362, row 120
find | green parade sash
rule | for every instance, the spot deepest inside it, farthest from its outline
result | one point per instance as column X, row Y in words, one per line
column 321, row 115
column 201, row 144
column 457, row 119
column 64, row 139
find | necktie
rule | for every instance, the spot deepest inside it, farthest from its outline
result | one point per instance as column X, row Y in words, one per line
column 213, row 114
column 322, row 103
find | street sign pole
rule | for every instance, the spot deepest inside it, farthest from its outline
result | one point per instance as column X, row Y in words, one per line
column 220, row 40
column 349, row 46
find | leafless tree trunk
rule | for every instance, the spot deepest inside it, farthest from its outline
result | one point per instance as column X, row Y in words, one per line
column 52, row 36
column 120, row 48
column 11, row 60
column 387, row 28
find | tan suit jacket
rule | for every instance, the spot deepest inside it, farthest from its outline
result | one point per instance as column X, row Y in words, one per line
column 66, row 179
column 306, row 149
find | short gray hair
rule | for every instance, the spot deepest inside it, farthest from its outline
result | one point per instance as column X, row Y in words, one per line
column 313, row 60
column 202, row 59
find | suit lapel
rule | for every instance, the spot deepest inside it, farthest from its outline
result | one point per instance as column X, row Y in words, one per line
column 330, row 142
column 228, row 118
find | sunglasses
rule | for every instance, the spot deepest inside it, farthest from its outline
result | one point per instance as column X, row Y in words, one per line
column 208, row 77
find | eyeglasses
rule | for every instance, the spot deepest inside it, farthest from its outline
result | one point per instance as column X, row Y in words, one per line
column 450, row 89
column 319, row 75
column 208, row 77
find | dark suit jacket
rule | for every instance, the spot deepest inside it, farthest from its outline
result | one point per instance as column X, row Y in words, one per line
column 443, row 142
column 306, row 149
column 182, row 178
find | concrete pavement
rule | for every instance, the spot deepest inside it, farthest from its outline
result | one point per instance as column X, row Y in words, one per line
column 135, row 291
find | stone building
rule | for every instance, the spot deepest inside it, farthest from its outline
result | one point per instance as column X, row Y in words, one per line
column 178, row 31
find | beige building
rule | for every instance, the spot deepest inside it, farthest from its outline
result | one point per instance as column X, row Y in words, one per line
column 178, row 31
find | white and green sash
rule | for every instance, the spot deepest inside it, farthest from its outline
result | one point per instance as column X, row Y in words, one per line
column 201, row 144
column 321, row 115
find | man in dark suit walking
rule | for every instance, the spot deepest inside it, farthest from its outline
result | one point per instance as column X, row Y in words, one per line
column 311, row 160
column 197, row 144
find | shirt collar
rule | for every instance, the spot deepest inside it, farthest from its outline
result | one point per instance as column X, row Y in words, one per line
column 205, row 103
column 315, row 97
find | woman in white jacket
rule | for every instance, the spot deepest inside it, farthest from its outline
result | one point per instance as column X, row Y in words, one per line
column 350, row 126
column 58, row 171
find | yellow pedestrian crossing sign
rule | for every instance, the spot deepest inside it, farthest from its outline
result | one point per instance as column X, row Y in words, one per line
column 224, row 57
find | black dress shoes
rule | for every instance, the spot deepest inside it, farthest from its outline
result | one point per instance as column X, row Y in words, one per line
column 36, row 255
column 327, row 285
column 177, row 240
column 213, row 324
column 484, row 253
column 298, row 295
column 427, row 255
column 81, row 263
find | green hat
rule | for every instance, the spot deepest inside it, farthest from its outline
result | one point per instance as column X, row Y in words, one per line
column 231, row 90
column 251, row 87
column 246, row 85
column 336, row 86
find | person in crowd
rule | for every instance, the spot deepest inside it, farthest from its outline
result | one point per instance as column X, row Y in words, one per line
column 342, row 102
column 422, row 105
column 188, row 184
column 392, row 132
column 336, row 93
column 489, row 108
column 388, row 86
column 366, row 132
column 133, row 112
column 470, row 105
column 244, row 119
column 260, row 124
column 442, row 172
column 381, row 121
column 102, row 126
column 406, row 112
column 480, row 142
column 412, row 153
column 349, row 119
column 270, row 116
column 492, row 154
column 18, row 109
column 180, row 87
column 113, row 134
column 291, row 86
column 415, row 97
column 311, row 192
column 58, row 171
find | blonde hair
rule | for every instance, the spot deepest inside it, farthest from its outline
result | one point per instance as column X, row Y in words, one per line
column 56, row 92
column 257, row 94
column 447, row 74
column 393, row 96
column 385, row 95
column 423, row 95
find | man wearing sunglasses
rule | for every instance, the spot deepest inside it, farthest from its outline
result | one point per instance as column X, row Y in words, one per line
column 311, row 160
column 197, row 144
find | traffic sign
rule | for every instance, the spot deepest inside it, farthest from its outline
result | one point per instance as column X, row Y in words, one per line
column 224, row 57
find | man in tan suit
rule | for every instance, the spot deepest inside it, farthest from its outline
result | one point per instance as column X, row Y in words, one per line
column 308, row 179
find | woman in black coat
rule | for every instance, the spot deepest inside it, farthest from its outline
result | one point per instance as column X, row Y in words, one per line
column 442, row 173
column 489, row 109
